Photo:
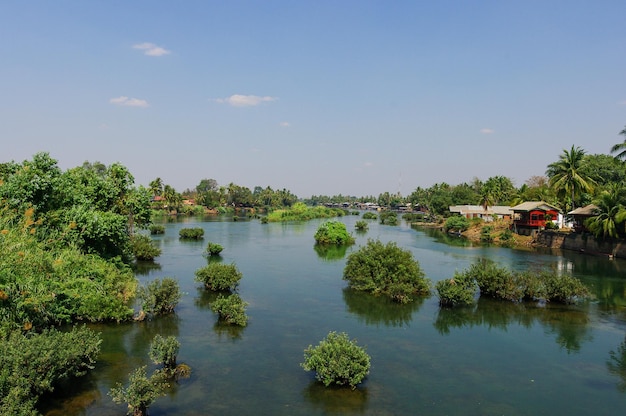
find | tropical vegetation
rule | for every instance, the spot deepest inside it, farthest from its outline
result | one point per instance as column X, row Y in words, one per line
column 219, row 276
column 333, row 233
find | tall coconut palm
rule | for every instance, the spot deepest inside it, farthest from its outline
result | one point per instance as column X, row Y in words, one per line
column 611, row 213
column 620, row 147
column 566, row 177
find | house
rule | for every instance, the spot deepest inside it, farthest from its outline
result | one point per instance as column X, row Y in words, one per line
column 580, row 215
column 478, row 211
column 532, row 216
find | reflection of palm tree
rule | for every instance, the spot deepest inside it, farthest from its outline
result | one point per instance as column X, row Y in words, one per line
column 566, row 177
column 610, row 212
column 620, row 147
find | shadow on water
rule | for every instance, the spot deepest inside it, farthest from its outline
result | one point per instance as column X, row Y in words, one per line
column 336, row 400
column 570, row 324
column 144, row 268
column 380, row 310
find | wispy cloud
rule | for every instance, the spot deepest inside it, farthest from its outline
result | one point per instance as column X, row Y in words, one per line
column 368, row 164
column 238, row 100
column 622, row 102
column 284, row 124
column 129, row 102
column 151, row 49
column 487, row 131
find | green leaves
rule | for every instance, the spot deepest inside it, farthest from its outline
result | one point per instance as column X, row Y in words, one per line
column 333, row 232
column 218, row 276
column 337, row 360
column 386, row 269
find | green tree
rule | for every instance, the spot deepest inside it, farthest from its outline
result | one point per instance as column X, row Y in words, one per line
column 159, row 297
column 218, row 276
column 611, row 212
column 231, row 309
column 163, row 350
column 141, row 392
column 337, row 360
column 386, row 269
column 566, row 176
column 620, row 148
column 333, row 232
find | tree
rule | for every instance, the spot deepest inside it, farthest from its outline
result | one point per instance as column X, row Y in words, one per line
column 337, row 360
column 386, row 269
column 141, row 392
column 163, row 350
column 333, row 232
column 566, row 176
column 611, row 212
column 620, row 147
column 156, row 187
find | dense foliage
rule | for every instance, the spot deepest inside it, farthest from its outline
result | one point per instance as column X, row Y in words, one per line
column 333, row 232
column 550, row 286
column 386, row 269
column 218, row 276
column 369, row 216
column 456, row 223
column 231, row 309
column 159, row 297
column 361, row 225
column 33, row 364
column 163, row 350
column 141, row 392
column 337, row 360
column 458, row 290
column 300, row 212
column 143, row 248
column 388, row 218
column 195, row 233
column 213, row 249
column 157, row 229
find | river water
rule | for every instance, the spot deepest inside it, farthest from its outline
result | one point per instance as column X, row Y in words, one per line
column 490, row 359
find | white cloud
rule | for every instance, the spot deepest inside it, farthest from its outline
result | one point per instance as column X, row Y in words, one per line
column 368, row 164
column 129, row 102
column 151, row 49
column 487, row 131
column 284, row 124
column 238, row 100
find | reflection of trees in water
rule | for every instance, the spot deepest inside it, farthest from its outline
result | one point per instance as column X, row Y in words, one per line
column 144, row 268
column 336, row 400
column 204, row 300
column 442, row 237
column 330, row 252
column 617, row 365
column 380, row 310
column 570, row 325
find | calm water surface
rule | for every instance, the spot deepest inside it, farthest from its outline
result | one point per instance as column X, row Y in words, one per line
column 491, row 359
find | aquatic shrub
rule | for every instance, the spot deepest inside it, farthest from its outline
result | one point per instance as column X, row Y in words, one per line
column 386, row 269
column 34, row 364
column 141, row 392
column 163, row 350
column 213, row 249
column 562, row 288
column 196, row 233
column 388, row 218
column 159, row 297
column 361, row 225
column 157, row 229
column 458, row 290
column 337, row 360
column 218, row 276
column 143, row 248
column 231, row 309
column 369, row 216
column 333, row 232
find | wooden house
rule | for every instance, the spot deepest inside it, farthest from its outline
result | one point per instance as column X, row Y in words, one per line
column 580, row 215
column 532, row 216
column 478, row 211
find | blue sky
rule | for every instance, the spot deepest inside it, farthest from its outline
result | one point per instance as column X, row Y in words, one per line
column 318, row 97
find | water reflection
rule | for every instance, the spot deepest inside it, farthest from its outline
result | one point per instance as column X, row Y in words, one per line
column 380, row 310
column 330, row 252
column 144, row 268
column 617, row 365
column 203, row 301
column 336, row 400
column 569, row 324
column 445, row 238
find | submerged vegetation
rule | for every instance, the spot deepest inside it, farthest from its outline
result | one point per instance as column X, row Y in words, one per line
column 333, row 233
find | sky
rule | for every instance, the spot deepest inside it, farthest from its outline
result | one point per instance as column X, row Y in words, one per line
column 317, row 97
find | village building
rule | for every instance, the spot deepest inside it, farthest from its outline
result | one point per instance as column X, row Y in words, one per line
column 485, row 213
column 580, row 215
column 532, row 216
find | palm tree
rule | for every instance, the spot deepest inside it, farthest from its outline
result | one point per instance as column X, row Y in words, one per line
column 620, row 147
column 611, row 213
column 565, row 175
